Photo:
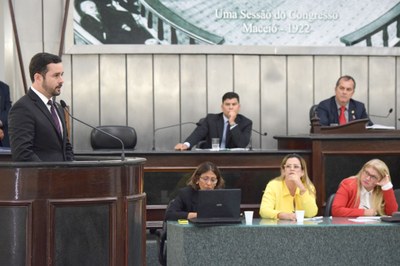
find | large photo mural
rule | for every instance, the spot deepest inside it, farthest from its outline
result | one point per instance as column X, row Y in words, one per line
column 332, row 23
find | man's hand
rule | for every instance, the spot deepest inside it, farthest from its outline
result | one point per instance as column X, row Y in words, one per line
column 181, row 147
column 1, row 134
column 232, row 116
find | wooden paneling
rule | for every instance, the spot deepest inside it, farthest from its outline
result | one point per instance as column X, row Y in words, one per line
column 193, row 92
column 166, row 99
column 326, row 73
column 273, row 99
column 357, row 67
column 247, row 85
column 299, row 93
column 51, row 34
column 382, row 87
column 113, row 90
column 140, row 98
column 85, row 102
column 220, row 80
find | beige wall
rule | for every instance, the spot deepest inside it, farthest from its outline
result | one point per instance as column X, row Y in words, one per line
column 153, row 90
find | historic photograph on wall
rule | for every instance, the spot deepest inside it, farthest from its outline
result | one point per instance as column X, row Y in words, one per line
column 332, row 23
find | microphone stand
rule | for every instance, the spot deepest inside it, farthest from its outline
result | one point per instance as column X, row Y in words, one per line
column 251, row 138
column 382, row 116
column 63, row 105
column 161, row 128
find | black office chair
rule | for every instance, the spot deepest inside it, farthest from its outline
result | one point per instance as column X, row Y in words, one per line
column 162, row 240
column 202, row 144
column 397, row 194
column 328, row 206
column 99, row 140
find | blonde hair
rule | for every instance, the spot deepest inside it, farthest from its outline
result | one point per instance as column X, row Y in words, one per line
column 377, row 195
column 305, row 178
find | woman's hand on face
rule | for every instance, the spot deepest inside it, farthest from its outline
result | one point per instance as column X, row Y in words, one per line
column 384, row 181
column 295, row 177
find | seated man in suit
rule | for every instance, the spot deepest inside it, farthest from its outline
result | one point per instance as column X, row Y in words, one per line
column 341, row 108
column 232, row 128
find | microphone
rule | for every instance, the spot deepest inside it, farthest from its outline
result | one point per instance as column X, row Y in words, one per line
column 383, row 116
column 259, row 133
column 251, row 139
column 175, row 125
column 64, row 105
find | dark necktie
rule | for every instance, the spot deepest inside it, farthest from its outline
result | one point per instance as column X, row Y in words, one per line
column 54, row 116
column 225, row 135
column 342, row 117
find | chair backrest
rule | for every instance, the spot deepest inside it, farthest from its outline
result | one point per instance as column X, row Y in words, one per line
column 328, row 206
column 162, row 245
column 99, row 140
column 313, row 111
column 202, row 144
column 397, row 194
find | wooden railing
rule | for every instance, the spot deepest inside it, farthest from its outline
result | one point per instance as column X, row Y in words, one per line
column 381, row 24
column 154, row 9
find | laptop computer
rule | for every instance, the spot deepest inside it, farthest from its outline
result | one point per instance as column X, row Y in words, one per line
column 218, row 206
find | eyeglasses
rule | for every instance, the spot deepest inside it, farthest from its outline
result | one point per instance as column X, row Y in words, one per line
column 294, row 166
column 367, row 174
column 207, row 180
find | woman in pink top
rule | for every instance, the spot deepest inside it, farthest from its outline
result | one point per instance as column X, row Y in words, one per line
column 368, row 193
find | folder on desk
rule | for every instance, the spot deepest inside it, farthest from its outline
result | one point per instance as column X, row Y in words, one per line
column 219, row 206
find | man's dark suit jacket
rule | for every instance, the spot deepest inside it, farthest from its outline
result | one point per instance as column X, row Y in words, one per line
column 185, row 202
column 5, row 105
column 33, row 133
column 327, row 111
column 213, row 127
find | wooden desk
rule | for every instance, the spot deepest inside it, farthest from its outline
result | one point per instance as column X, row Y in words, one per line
column 167, row 171
column 271, row 242
column 337, row 156
column 72, row 213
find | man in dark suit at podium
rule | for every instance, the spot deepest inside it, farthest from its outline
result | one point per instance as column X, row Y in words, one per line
column 36, row 124
column 341, row 108
column 232, row 128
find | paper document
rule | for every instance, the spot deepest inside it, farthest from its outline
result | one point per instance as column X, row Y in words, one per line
column 377, row 126
column 366, row 219
column 316, row 218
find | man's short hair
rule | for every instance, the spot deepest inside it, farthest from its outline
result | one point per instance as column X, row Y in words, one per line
column 346, row 77
column 230, row 95
column 39, row 63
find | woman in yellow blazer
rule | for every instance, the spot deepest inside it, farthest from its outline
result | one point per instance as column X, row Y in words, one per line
column 292, row 190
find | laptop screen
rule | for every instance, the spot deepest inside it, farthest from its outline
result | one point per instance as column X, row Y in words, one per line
column 219, row 203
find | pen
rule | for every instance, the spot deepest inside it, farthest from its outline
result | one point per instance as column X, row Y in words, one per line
column 365, row 207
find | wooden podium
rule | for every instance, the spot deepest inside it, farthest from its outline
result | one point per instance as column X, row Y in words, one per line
column 340, row 151
column 73, row 213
